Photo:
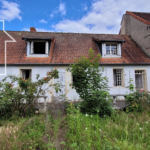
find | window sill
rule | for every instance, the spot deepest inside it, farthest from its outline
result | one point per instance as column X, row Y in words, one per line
column 111, row 56
column 38, row 55
column 119, row 87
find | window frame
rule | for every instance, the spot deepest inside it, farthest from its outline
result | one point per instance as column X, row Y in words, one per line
column 110, row 45
column 143, row 78
column 30, row 44
column 26, row 68
column 104, row 55
column 122, row 77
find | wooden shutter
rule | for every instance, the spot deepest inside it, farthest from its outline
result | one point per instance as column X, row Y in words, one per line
column 28, row 48
column 109, row 72
column 119, row 49
column 46, row 47
column 32, row 47
column 60, row 80
column 103, row 49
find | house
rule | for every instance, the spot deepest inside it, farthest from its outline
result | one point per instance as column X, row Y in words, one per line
column 39, row 52
column 137, row 25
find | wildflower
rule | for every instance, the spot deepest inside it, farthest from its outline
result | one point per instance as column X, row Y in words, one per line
column 104, row 115
column 138, row 124
column 141, row 90
column 92, row 124
column 86, row 115
column 44, row 78
column 146, row 122
column 85, row 128
column 100, row 130
column 91, row 115
column 140, row 128
column 27, row 87
column 55, row 68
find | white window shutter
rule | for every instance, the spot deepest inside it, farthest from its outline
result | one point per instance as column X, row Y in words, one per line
column 28, row 48
column 46, row 47
column 60, row 80
column 103, row 49
column 109, row 72
column 119, row 49
column 32, row 47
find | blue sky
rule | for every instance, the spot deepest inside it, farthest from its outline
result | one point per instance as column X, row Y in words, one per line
column 86, row 16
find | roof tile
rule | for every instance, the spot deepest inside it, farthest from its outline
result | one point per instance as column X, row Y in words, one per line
column 66, row 47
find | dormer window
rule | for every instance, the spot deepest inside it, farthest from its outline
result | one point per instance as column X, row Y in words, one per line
column 112, row 49
column 38, row 47
column 109, row 48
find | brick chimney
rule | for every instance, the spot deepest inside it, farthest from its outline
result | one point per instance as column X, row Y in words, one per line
column 32, row 29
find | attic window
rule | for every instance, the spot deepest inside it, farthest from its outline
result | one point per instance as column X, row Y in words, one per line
column 111, row 49
column 39, row 48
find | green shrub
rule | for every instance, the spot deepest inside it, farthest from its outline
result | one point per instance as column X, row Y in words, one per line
column 91, row 85
column 19, row 100
column 137, row 100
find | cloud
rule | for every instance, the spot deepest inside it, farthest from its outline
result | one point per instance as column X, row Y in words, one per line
column 38, row 30
column 62, row 8
column 9, row 11
column 42, row 21
column 51, row 15
column 84, row 7
column 104, row 16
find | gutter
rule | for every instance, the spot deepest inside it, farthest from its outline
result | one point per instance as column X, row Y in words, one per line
column 66, row 64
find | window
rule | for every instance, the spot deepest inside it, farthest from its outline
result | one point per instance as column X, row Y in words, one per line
column 139, row 79
column 117, row 73
column 25, row 73
column 111, row 49
column 38, row 48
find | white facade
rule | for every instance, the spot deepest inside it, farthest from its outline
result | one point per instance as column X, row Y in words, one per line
column 65, row 78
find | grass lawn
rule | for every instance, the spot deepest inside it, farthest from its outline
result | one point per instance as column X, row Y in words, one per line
column 76, row 131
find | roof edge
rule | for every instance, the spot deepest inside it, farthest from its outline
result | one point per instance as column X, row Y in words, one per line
column 67, row 64
column 138, row 18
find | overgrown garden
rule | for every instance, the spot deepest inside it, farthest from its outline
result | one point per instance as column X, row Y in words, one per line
column 91, row 124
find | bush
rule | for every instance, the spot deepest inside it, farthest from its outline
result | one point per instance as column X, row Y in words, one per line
column 91, row 85
column 137, row 100
column 20, row 100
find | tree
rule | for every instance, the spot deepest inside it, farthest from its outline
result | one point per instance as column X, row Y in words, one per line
column 90, row 84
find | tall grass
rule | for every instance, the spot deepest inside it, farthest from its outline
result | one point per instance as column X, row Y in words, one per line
column 121, row 131
column 77, row 131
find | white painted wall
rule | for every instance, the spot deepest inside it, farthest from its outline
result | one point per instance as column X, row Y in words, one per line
column 128, row 72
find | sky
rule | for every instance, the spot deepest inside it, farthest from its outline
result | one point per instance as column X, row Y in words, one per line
column 77, row 16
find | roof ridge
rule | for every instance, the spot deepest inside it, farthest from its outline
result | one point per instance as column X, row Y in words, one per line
column 139, row 12
column 137, row 17
column 62, row 32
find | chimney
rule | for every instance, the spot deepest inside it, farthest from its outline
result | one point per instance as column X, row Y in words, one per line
column 32, row 29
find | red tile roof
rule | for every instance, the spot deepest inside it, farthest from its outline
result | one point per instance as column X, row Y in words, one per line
column 143, row 17
column 67, row 46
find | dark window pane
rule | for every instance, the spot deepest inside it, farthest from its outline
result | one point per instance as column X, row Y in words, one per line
column 39, row 47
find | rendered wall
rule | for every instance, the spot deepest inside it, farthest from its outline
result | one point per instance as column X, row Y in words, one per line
column 138, row 31
column 66, row 78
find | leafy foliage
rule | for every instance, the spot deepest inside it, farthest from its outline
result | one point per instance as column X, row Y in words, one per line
column 138, row 99
column 18, row 96
column 90, row 84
